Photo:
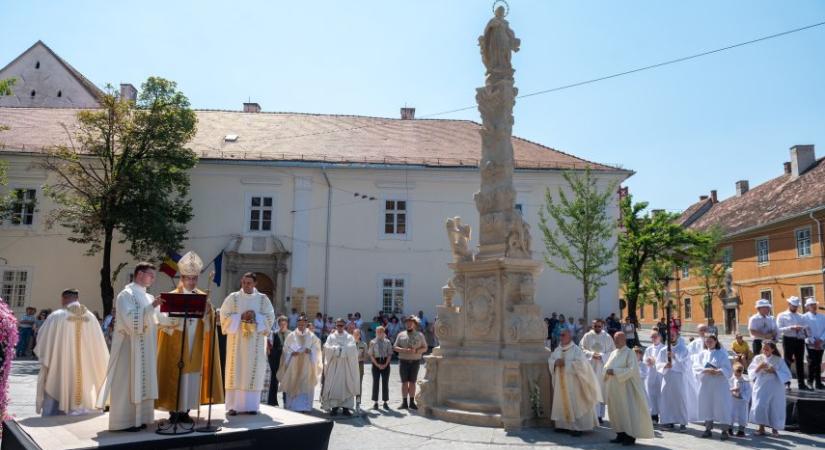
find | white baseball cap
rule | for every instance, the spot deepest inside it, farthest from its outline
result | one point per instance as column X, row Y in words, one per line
column 762, row 303
column 793, row 300
column 810, row 301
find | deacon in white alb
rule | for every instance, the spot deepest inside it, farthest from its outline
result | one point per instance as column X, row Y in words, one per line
column 597, row 345
column 653, row 381
column 713, row 371
column 73, row 357
column 576, row 390
column 769, row 374
column 341, row 380
column 625, row 395
column 131, row 379
column 678, row 396
column 247, row 317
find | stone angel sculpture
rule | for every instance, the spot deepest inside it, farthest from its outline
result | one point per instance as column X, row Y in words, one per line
column 459, row 236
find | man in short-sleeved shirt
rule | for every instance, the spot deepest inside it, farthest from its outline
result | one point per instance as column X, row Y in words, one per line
column 762, row 325
column 410, row 345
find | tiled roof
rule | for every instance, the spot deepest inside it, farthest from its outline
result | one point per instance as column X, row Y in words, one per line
column 694, row 211
column 308, row 137
column 783, row 197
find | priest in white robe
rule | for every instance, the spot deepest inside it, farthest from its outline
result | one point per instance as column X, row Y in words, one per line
column 73, row 357
column 653, row 381
column 247, row 317
column 576, row 390
column 300, row 367
column 200, row 332
column 131, row 385
column 597, row 345
column 713, row 371
column 625, row 395
column 341, row 379
column 678, row 395
column 769, row 374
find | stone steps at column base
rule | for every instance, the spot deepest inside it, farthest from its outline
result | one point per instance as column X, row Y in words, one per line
column 471, row 405
column 480, row 419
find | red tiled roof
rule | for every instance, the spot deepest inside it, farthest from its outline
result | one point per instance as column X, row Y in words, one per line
column 308, row 137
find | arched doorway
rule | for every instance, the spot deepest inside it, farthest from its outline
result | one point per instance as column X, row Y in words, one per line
column 265, row 285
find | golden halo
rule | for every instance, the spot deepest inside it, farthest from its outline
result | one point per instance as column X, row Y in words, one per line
column 503, row 3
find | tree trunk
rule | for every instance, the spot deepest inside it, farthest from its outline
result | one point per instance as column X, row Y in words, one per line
column 633, row 299
column 107, row 292
column 584, row 309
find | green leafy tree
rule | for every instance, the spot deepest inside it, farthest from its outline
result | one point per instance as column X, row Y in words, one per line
column 706, row 262
column 5, row 86
column 653, row 290
column 644, row 238
column 579, row 241
column 127, row 173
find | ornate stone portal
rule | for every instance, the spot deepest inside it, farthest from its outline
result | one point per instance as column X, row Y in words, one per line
column 491, row 365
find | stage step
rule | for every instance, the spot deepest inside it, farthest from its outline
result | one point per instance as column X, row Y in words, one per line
column 473, row 406
column 480, row 419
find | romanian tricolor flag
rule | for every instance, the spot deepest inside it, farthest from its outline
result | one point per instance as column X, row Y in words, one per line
column 169, row 266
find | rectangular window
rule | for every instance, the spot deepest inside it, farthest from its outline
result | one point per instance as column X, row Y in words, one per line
column 803, row 242
column 22, row 207
column 393, row 291
column 727, row 257
column 685, row 272
column 395, row 218
column 766, row 294
column 805, row 292
column 762, row 251
column 641, row 311
column 15, row 288
column 260, row 213
column 688, row 308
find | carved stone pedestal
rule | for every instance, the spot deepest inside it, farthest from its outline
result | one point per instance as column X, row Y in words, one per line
column 491, row 366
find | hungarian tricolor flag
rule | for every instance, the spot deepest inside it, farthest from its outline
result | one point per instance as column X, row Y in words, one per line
column 169, row 266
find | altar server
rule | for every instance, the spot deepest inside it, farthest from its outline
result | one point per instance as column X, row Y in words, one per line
column 653, row 381
column 678, row 395
column 713, row 371
column 769, row 374
column 740, row 390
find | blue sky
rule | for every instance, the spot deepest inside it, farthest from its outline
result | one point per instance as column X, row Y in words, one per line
column 685, row 129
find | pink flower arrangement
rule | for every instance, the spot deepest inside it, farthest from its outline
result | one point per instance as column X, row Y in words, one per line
column 8, row 340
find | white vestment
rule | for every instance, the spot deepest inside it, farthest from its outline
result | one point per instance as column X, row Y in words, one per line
column 768, row 399
column 131, row 379
column 596, row 346
column 625, row 395
column 740, row 403
column 678, row 396
column 653, row 381
column 341, row 379
column 300, row 369
column 715, row 402
column 73, row 357
column 246, row 361
column 576, row 390
column 190, row 392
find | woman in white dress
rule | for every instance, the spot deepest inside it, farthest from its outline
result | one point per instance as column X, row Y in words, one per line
column 769, row 374
column 713, row 370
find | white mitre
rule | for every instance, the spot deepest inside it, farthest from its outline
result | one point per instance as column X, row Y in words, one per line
column 190, row 264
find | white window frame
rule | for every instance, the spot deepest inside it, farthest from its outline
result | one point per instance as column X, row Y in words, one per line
column 27, row 297
column 247, row 217
column 767, row 250
column 12, row 187
column 687, row 305
column 685, row 271
column 805, row 286
column 382, row 234
column 810, row 242
column 727, row 257
column 406, row 289
column 770, row 294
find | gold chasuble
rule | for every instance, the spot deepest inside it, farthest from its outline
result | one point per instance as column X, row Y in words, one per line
column 195, row 359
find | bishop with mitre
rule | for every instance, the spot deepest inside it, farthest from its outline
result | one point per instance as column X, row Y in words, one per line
column 247, row 317
column 197, row 343
column 73, row 356
column 575, row 388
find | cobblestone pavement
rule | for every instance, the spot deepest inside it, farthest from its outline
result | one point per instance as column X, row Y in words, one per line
column 404, row 429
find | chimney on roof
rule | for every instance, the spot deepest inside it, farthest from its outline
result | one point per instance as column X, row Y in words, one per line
column 802, row 158
column 713, row 197
column 407, row 113
column 742, row 186
column 251, row 107
column 128, row 92
column 786, row 167
column 703, row 197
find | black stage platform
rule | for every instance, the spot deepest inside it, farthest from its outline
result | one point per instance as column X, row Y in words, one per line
column 805, row 411
column 273, row 427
